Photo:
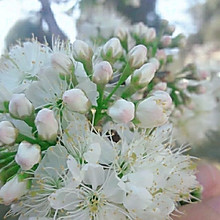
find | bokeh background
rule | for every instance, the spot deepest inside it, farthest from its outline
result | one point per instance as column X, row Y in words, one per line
column 198, row 20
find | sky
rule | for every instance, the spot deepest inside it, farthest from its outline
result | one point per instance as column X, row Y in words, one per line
column 173, row 10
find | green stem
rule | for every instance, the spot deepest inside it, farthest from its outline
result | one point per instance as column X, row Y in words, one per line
column 126, row 73
column 130, row 90
column 88, row 68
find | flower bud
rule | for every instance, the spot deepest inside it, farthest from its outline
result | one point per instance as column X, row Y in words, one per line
column 150, row 35
column 137, row 56
column 143, row 75
column 20, row 107
column 139, row 29
column 171, row 28
column 121, row 33
column 47, row 125
column 28, row 155
column 12, row 190
column 161, row 86
column 82, row 51
column 182, row 83
column 155, row 110
column 161, row 55
column 155, row 61
column 121, row 111
column 112, row 49
column 166, row 40
column 8, row 133
column 62, row 63
column 102, row 73
column 76, row 100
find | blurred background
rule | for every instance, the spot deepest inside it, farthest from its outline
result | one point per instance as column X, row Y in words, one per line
column 198, row 20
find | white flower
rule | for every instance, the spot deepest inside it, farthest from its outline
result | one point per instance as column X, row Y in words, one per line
column 82, row 202
column 112, row 49
column 121, row 32
column 47, row 125
column 76, row 100
column 142, row 76
column 28, row 155
column 23, row 64
column 121, row 111
column 137, row 56
column 8, row 133
column 12, row 190
column 155, row 110
column 102, row 73
column 20, row 106
column 82, row 51
column 161, row 55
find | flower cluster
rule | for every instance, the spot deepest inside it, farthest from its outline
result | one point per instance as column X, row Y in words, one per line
column 84, row 133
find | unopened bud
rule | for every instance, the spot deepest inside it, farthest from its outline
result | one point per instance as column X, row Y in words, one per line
column 121, row 33
column 182, row 84
column 171, row 28
column 166, row 40
column 47, row 125
column 155, row 61
column 62, row 63
column 8, row 133
column 112, row 49
column 155, row 110
column 150, row 35
column 102, row 73
column 161, row 86
column 28, row 155
column 143, row 75
column 76, row 100
column 20, row 107
column 139, row 29
column 137, row 56
column 121, row 111
column 161, row 55
column 12, row 190
column 82, row 52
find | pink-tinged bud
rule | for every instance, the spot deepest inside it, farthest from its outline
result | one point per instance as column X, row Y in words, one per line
column 121, row 111
column 28, row 155
column 142, row 76
column 155, row 110
column 166, row 40
column 150, row 35
column 47, row 125
column 112, row 49
column 82, row 51
column 161, row 86
column 62, row 63
column 20, row 107
column 161, row 55
column 203, row 74
column 8, row 133
column 12, row 190
column 102, row 73
column 201, row 89
column 76, row 100
column 155, row 61
column 121, row 33
column 137, row 56
column 182, row 83
column 171, row 28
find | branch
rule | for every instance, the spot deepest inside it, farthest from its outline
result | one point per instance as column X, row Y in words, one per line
column 48, row 16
